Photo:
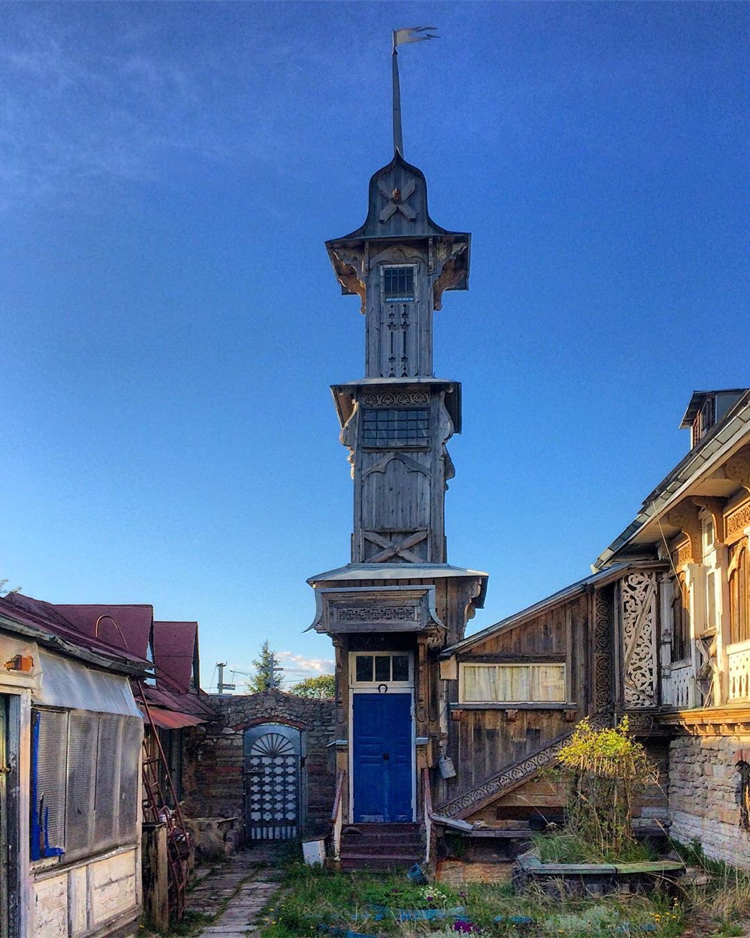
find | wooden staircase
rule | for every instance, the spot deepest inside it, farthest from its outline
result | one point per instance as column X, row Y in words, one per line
column 381, row 846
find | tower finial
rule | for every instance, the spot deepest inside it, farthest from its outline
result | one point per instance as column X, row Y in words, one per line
column 400, row 38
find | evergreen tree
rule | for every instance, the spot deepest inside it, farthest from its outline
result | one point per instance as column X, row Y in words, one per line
column 265, row 676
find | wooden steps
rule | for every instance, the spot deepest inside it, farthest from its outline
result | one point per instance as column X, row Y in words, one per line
column 381, row 846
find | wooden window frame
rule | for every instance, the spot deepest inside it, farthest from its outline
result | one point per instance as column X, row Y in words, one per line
column 562, row 702
column 739, row 596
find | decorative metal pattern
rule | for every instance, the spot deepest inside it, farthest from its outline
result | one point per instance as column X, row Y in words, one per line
column 272, row 782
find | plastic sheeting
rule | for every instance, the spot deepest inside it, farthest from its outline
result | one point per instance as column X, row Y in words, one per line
column 66, row 683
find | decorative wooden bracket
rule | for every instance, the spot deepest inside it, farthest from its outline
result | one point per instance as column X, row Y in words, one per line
column 737, row 468
column 396, row 201
column 395, row 548
column 686, row 517
column 349, row 275
column 411, row 464
column 715, row 507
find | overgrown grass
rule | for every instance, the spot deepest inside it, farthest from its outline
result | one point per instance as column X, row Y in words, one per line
column 312, row 896
column 563, row 847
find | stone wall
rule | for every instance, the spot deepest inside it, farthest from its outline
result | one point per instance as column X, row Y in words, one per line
column 704, row 796
column 213, row 758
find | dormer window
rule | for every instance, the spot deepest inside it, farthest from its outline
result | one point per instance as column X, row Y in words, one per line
column 704, row 420
column 707, row 409
column 398, row 284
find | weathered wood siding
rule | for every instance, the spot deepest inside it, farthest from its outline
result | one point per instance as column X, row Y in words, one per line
column 97, row 897
column 483, row 741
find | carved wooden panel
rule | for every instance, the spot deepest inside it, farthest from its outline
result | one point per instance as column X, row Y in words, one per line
column 638, row 592
column 738, row 521
column 602, row 650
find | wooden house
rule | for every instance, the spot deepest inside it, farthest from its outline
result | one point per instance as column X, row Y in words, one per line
column 436, row 731
column 696, row 526
column 70, row 747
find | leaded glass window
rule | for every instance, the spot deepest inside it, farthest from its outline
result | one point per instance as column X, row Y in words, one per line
column 387, row 427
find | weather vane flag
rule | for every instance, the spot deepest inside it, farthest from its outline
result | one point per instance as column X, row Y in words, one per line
column 400, row 38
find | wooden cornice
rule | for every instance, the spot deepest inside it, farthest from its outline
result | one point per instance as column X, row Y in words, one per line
column 709, row 721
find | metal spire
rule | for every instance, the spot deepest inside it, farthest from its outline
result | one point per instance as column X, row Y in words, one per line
column 401, row 37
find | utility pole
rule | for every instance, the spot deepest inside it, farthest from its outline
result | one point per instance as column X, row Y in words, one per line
column 271, row 669
column 220, row 685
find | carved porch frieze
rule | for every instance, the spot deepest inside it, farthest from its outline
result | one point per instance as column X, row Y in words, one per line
column 738, row 521
column 397, row 399
column 376, row 609
column 686, row 517
column 638, row 596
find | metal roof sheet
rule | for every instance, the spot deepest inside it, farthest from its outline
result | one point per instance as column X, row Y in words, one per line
column 353, row 572
column 169, row 720
column 120, row 625
column 174, row 652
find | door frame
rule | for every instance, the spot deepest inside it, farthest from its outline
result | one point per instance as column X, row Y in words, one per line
column 371, row 687
column 18, row 730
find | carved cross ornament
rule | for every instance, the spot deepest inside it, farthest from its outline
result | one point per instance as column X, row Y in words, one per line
column 396, row 201
column 397, row 547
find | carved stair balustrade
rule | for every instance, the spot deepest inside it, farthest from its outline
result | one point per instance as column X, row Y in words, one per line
column 497, row 785
column 638, row 612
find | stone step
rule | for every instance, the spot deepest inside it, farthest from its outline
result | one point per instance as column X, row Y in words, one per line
column 380, row 862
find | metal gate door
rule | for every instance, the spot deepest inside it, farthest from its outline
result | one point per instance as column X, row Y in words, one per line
column 272, row 782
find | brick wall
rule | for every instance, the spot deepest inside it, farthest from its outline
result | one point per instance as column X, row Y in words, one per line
column 213, row 758
column 704, row 787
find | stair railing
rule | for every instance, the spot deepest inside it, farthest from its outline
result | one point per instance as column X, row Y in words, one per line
column 337, row 815
column 427, row 799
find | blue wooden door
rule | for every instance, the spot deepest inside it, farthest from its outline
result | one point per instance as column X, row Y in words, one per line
column 382, row 757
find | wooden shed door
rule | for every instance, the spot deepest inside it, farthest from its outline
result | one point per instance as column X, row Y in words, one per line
column 272, row 782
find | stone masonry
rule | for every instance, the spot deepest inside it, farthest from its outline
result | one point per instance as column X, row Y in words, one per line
column 214, row 754
column 704, row 796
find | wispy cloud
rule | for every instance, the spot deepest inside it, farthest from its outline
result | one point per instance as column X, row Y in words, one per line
column 297, row 667
column 83, row 109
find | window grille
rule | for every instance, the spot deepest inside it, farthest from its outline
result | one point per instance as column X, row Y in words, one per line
column 398, row 284
column 386, row 427
column 512, row 683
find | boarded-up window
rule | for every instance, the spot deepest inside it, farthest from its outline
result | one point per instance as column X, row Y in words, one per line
column 680, row 620
column 512, row 683
column 85, row 784
column 739, row 601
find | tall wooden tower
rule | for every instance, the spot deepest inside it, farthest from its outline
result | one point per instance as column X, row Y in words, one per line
column 398, row 602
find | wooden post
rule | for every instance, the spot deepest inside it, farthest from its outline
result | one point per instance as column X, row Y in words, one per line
column 156, row 875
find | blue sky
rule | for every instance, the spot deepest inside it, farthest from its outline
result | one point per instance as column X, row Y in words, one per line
column 170, row 321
